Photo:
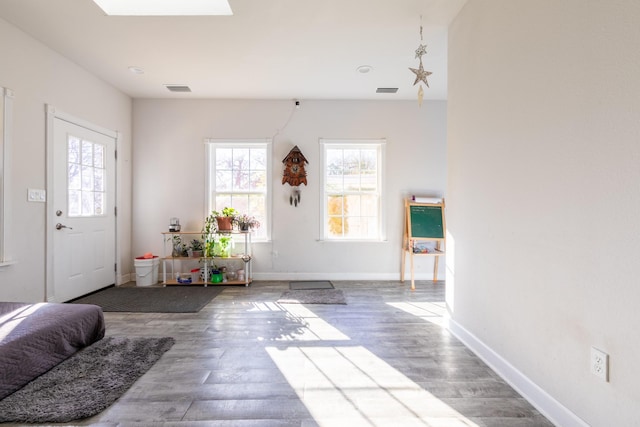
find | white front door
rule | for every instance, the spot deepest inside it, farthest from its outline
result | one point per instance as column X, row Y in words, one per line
column 81, row 210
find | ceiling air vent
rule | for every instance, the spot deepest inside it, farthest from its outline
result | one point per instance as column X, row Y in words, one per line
column 387, row 90
column 178, row 88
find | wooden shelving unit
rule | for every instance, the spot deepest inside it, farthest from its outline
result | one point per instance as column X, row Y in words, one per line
column 177, row 264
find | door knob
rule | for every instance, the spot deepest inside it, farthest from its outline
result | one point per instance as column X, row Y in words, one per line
column 61, row 226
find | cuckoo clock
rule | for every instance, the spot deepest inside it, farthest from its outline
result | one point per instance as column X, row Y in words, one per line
column 294, row 173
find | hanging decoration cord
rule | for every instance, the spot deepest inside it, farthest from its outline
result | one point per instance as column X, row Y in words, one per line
column 293, row 110
column 420, row 72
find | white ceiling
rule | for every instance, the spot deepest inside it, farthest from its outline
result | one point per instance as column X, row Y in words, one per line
column 269, row 49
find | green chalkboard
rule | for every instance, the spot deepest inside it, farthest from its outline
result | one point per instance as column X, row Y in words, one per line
column 426, row 221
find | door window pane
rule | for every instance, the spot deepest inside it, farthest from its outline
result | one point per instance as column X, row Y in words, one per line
column 86, row 192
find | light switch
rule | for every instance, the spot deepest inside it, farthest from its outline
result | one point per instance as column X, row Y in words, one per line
column 36, row 195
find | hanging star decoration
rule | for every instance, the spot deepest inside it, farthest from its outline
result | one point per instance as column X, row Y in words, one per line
column 421, row 50
column 420, row 72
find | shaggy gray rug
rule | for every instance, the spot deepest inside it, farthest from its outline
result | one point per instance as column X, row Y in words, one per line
column 313, row 296
column 170, row 299
column 86, row 383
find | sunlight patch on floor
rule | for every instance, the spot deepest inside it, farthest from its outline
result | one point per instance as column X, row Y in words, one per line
column 310, row 326
column 353, row 385
column 434, row 312
column 264, row 306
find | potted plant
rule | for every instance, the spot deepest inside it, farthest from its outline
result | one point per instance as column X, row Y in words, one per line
column 246, row 222
column 196, row 248
column 179, row 248
column 225, row 218
column 224, row 246
column 209, row 234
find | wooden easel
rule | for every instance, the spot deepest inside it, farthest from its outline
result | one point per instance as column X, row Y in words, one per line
column 423, row 223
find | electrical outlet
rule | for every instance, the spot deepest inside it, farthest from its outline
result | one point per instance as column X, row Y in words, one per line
column 600, row 363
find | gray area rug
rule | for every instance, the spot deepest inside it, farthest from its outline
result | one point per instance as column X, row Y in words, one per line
column 86, row 383
column 313, row 296
column 170, row 299
column 311, row 284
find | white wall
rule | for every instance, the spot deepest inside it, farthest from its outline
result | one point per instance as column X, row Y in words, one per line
column 169, row 175
column 544, row 194
column 39, row 76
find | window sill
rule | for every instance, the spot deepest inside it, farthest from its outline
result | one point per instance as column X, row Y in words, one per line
column 351, row 241
column 7, row 263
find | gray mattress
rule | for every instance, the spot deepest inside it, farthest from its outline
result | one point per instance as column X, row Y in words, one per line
column 36, row 337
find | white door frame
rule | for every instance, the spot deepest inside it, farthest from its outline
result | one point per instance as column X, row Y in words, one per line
column 51, row 115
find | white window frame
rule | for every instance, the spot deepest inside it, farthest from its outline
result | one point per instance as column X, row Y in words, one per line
column 210, row 176
column 380, row 144
column 6, row 131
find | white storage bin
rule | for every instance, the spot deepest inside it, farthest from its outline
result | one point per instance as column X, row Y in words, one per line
column 146, row 271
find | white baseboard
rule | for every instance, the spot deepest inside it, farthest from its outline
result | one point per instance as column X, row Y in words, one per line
column 125, row 278
column 540, row 399
column 339, row 276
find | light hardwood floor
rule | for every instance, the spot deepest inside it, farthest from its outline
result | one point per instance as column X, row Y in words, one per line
column 381, row 360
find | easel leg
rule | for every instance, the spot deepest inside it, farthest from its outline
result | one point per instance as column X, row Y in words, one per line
column 435, row 268
column 435, row 263
column 404, row 249
column 413, row 283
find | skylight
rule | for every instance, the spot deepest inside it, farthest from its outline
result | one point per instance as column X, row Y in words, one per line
column 164, row 7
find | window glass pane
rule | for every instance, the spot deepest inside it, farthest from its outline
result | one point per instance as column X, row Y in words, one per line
column 369, row 160
column 334, row 162
column 98, row 179
column 73, row 150
column 87, row 153
column 240, row 202
column 258, row 180
column 222, row 200
column 87, row 178
column 98, row 156
column 257, row 206
column 240, row 158
column 87, row 203
column 351, row 162
column 335, row 208
column 369, row 170
column 352, row 205
column 223, row 180
column 74, row 176
column 98, row 201
column 74, row 202
column 369, row 226
column 369, row 181
column 258, row 160
column 334, row 183
column 369, row 204
column 224, row 158
column 241, row 181
column 355, row 229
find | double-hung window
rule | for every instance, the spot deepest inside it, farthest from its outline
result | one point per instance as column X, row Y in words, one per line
column 352, row 190
column 6, row 119
column 239, row 176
